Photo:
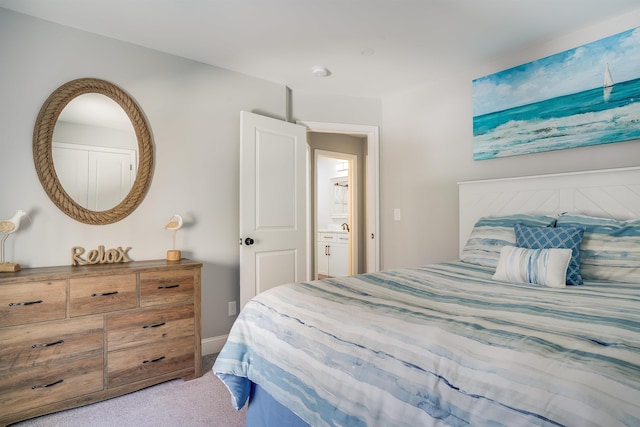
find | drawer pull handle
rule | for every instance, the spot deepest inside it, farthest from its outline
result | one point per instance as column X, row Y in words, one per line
column 105, row 294
column 154, row 325
column 13, row 304
column 35, row 387
column 177, row 285
column 47, row 344
column 153, row 360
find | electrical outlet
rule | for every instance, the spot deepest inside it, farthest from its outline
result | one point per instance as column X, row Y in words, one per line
column 232, row 308
column 396, row 214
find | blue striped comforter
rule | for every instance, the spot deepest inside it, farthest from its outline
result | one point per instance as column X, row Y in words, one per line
column 441, row 345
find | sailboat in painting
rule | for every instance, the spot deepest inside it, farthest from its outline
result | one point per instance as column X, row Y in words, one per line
column 608, row 83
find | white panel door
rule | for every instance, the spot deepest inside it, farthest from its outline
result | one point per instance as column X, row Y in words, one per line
column 111, row 176
column 322, row 259
column 339, row 257
column 272, row 204
column 72, row 168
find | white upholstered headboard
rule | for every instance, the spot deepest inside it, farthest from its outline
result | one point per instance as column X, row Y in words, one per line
column 613, row 193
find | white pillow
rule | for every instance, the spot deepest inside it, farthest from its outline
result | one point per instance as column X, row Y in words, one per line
column 547, row 267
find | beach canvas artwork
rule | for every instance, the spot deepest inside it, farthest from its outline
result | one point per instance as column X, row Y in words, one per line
column 584, row 96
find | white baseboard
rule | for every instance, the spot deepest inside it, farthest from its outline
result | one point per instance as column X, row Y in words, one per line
column 213, row 345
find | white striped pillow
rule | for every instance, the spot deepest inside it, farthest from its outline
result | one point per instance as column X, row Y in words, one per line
column 610, row 249
column 546, row 267
column 491, row 233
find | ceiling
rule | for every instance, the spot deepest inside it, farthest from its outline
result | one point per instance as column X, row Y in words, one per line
column 371, row 47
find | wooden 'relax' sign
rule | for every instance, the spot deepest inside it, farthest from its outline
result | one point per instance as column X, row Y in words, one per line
column 99, row 256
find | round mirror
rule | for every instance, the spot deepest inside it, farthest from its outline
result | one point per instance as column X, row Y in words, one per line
column 93, row 151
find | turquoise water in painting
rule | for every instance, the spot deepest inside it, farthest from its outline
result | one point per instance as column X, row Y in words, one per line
column 586, row 118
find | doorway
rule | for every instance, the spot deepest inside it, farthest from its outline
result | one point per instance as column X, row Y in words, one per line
column 369, row 172
column 337, row 208
column 289, row 218
column 337, row 205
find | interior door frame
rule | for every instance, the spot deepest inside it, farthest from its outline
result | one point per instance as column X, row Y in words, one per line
column 372, row 226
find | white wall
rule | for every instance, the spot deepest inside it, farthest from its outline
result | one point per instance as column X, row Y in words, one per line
column 426, row 149
column 193, row 110
column 76, row 133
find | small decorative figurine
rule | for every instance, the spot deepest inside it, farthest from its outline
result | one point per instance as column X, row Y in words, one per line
column 174, row 224
column 7, row 227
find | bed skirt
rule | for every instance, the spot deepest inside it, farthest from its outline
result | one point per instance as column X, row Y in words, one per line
column 264, row 409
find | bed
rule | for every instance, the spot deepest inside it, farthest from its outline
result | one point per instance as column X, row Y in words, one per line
column 489, row 339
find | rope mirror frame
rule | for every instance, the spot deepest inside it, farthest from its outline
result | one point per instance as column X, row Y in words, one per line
column 43, row 152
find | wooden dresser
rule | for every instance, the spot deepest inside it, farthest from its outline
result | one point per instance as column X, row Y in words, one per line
column 75, row 335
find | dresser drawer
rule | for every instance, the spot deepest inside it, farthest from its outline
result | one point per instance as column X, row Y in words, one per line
column 99, row 294
column 342, row 238
column 31, row 345
column 148, row 361
column 327, row 237
column 164, row 287
column 149, row 326
column 41, row 385
column 22, row 303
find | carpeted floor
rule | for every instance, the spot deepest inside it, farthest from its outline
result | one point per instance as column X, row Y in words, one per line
column 204, row 401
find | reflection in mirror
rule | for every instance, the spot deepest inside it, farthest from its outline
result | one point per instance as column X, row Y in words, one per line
column 123, row 197
column 94, row 151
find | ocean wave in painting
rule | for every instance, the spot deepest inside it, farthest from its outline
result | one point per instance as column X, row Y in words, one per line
column 557, row 124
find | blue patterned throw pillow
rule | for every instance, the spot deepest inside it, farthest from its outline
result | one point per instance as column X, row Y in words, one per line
column 548, row 238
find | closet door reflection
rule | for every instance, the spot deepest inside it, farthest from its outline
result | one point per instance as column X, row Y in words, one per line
column 97, row 178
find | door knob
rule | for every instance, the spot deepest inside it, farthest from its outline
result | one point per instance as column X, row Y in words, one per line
column 248, row 241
